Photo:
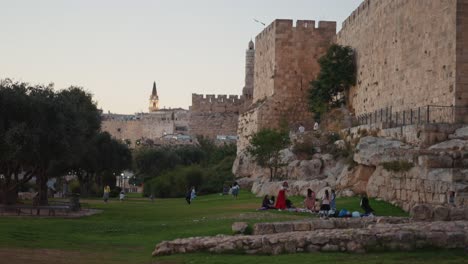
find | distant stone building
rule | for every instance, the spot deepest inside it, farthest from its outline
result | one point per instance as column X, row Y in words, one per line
column 152, row 126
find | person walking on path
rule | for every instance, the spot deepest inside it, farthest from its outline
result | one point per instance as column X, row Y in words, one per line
column 106, row 193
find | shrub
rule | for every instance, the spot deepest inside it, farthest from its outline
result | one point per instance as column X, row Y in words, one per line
column 115, row 192
column 305, row 148
column 397, row 165
column 74, row 186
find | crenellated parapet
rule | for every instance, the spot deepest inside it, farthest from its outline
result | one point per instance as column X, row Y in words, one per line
column 216, row 103
column 305, row 25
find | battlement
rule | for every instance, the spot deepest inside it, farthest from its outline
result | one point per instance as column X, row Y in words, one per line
column 213, row 103
column 363, row 10
column 283, row 25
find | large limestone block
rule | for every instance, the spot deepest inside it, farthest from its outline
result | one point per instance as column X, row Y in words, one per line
column 421, row 212
column 355, row 180
column 435, row 161
column 461, row 133
column 441, row 213
column 287, row 156
column 453, row 144
column 372, row 151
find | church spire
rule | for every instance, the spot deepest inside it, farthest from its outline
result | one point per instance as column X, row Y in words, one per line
column 154, row 100
column 154, row 93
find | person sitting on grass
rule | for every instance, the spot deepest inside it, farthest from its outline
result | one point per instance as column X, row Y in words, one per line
column 266, row 203
column 272, row 201
column 366, row 206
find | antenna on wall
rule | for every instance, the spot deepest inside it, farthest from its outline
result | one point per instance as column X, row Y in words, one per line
column 260, row 22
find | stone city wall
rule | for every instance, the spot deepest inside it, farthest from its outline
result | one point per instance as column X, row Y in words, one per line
column 217, row 104
column 212, row 115
column 285, row 63
column 148, row 126
column 409, row 54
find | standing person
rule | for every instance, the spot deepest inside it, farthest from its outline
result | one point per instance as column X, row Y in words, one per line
column 309, row 201
column 365, row 205
column 106, row 193
column 122, row 196
column 152, row 197
column 332, row 200
column 235, row 190
column 188, row 196
column 193, row 194
column 325, row 207
column 281, row 199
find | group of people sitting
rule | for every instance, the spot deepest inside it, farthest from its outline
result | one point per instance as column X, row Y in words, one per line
column 324, row 207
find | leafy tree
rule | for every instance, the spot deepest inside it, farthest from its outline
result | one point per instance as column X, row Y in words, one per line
column 337, row 74
column 43, row 133
column 265, row 147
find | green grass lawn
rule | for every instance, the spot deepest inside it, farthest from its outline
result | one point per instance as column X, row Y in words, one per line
column 127, row 233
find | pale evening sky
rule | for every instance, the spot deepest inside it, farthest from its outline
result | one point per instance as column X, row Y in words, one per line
column 115, row 49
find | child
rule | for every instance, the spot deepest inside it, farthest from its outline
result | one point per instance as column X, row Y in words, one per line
column 332, row 201
column 193, row 194
column 235, row 190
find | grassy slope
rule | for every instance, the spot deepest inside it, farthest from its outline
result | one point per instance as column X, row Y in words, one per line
column 127, row 232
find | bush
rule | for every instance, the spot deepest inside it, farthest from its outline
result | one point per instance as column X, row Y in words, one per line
column 305, row 148
column 397, row 165
column 115, row 192
column 74, row 186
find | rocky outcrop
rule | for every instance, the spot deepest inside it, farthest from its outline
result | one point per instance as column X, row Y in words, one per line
column 295, row 187
column 408, row 236
column 355, row 180
column 461, row 133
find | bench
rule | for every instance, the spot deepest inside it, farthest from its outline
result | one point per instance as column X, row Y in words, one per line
column 20, row 208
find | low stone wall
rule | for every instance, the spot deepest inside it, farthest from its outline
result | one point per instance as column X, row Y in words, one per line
column 331, row 223
column 422, row 135
column 409, row 236
column 427, row 212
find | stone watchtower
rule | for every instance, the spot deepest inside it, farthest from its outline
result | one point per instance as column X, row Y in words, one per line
column 154, row 100
column 247, row 91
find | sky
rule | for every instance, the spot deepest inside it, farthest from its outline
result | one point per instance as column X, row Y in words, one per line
column 115, row 49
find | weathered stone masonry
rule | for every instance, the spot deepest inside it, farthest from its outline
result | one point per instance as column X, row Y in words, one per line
column 212, row 115
column 285, row 63
column 409, row 54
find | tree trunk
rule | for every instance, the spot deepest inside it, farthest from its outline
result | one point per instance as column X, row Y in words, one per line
column 271, row 174
column 41, row 183
column 9, row 194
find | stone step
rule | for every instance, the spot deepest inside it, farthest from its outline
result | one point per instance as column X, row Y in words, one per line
column 318, row 223
column 409, row 236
